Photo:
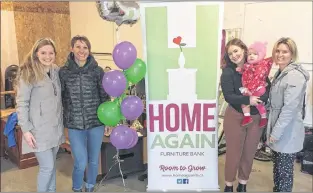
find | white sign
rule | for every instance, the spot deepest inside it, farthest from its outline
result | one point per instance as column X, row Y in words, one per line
column 182, row 92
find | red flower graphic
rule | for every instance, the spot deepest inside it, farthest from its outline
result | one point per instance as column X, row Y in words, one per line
column 177, row 41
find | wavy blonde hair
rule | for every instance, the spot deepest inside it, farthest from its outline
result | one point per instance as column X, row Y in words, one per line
column 32, row 71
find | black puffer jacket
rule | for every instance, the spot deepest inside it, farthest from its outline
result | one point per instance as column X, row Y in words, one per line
column 82, row 93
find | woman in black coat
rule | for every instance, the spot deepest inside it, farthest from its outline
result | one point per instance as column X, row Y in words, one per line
column 82, row 93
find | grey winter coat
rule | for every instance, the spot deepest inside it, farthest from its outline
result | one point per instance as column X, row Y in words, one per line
column 39, row 110
column 82, row 93
column 285, row 122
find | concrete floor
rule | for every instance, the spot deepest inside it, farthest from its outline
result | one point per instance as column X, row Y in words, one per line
column 13, row 179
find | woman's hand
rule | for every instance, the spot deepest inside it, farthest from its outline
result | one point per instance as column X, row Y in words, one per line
column 254, row 100
column 30, row 139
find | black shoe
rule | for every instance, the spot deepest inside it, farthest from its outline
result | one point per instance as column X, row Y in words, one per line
column 89, row 189
column 242, row 188
column 228, row 189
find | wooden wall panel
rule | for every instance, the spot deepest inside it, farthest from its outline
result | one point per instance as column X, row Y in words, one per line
column 6, row 5
column 35, row 20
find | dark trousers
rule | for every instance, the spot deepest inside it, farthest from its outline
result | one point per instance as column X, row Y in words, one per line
column 283, row 171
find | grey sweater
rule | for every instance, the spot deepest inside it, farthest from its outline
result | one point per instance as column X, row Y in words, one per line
column 39, row 110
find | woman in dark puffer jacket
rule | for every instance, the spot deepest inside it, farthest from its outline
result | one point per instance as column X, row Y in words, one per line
column 82, row 93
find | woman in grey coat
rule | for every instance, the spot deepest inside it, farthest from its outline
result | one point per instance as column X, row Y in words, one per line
column 285, row 126
column 39, row 110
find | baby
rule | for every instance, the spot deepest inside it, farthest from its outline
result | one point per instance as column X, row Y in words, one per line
column 254, row 74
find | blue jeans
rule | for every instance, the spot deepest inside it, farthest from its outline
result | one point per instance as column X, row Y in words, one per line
column 85, row 146
column 46, row 181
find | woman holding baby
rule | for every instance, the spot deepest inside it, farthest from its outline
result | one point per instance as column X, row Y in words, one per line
column 246, row 88
column 241, row 139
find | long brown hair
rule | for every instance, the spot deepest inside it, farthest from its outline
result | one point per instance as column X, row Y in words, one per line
column 32, row 71
column 236, row 42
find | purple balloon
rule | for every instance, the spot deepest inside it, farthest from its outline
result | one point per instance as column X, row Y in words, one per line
column 135, row 139
column 121, row 137
column 124, row 55
column 132, row 107
column 114, row 83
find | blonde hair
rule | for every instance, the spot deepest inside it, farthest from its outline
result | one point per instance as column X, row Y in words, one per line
column 32, row 71
column 290, row 44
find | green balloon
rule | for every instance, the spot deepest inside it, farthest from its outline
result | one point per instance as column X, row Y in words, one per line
column 136, row 72
column 109, row 113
